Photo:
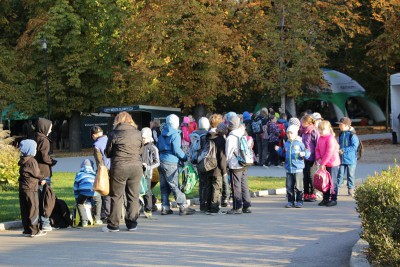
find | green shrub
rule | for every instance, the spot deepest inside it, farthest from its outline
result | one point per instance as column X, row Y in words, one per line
column 378, row 202
column 9, row 156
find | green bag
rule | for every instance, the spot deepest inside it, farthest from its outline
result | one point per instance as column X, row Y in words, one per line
column 143, row 186
column 189, row 177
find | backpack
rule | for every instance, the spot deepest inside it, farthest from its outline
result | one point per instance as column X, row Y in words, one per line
column 282, row 132
column 48, row 198
column 245, row 154
column 189, row 178
column 360, row 148
column 323, row 181
column 195, row 146
column 208, row 157
column 256, row 126
column 61, row 216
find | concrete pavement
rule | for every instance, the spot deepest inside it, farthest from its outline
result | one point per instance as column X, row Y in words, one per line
column 271, row 236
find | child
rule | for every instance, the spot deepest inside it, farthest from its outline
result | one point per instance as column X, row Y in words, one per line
column 29, row 177
column 185, row 135
column 294, row 152
column 349, row 143
column 273, row 132
column 83, row 191
column 309, row 135
column 151, row 161
column 327, row 157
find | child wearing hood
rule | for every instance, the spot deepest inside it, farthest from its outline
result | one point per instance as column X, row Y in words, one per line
column 185, row 134
column 29, row 179
column 294, row 152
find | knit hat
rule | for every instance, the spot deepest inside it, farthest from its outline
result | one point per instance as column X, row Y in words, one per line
column 147, row 135
column 222, row 128
column 294, row 121
column 172, row 121
column 234, row 123
column 204, row 123
column 246, row 116
column 28, row 147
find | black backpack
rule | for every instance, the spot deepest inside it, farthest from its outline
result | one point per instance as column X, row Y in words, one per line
column 61, row 216
column 360, row 148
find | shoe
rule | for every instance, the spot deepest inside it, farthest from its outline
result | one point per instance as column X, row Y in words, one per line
column 246, row 210
column 154, row 208
column 98, row 222
column 220, row 212
column 148, row 214
column 331, row 203
column 350, row 192
column 233, row 211
column 298, row 204
column 186, row 211
column 225, row 203
column 39, row 234
column 166, row 212
column 323, row 202
column 47, row 228
column 84, row 224
column 279, row 166
column 108, row 230
column 306, row 198
column 265, row 166
column 312, row 198
column 132, row 229
column 289, row 205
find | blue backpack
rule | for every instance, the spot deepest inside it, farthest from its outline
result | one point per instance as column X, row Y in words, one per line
column 195, row 146
column 245, row 154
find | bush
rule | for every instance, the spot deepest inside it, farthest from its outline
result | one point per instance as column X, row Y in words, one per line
column 378, row 202
column 9, row 156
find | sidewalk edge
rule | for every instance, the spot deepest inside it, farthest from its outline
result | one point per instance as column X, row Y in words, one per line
column 358, row 257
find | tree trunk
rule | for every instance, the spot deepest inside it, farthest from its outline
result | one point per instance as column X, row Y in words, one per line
column 291, row 106
column 75, row 144
column 198, row 112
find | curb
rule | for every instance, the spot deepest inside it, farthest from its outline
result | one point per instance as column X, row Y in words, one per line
column 358, row 257
column 195, row 201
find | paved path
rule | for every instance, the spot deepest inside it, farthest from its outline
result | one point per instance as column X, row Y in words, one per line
column 270, row 236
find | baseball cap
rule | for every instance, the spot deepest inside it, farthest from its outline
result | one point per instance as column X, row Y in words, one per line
column 95, row 129
column 345, row 121
column 316, row 116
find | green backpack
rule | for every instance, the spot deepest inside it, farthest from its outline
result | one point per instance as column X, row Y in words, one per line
column 189, row 177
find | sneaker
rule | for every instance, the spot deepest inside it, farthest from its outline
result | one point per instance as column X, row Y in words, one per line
column 98, row 222
column 47, row 228
column 298, row 204
column 166, row 212
column 148, row 214
column 246, row 210
column 289, row 205
column 323, row 202
column 233, row 211
column 331, row 203
column 350, row 192
column 108, row 230
column 312, row 198
column 220, row 212
column 84, row 224
column 225, row 203
column 306, row 198
column 265, row 166
column 133, row 229
column 39, row 234
column 186, row 211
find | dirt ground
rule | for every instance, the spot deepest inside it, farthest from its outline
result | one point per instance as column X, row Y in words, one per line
column 380, row 151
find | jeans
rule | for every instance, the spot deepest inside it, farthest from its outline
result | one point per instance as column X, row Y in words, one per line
column 148, row 197
column 240, row 189
column 203, row 189
column 45, row 221
column 213, row 194
column 124, row 179
column 334, row 174
column 169, row 182
column 307, row 178
column 351, row 171
column 80, row 201
column 225, row 192
column 294, row 187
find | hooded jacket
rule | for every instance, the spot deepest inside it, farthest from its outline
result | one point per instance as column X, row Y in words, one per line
column 293, row 161
column 43, row 147
column 84, row 180
column 169, row 145
column 348, row 146
column 185, row 131
column 327, row 151
column 310, row 137
column 29, row 172
column 232, row 148
column 220, row 142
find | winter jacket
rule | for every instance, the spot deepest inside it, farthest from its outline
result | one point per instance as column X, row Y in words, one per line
column 310, row 137
column 232, row 148
column 220, row 143
column 151, row 157
column 169, row 145
column 293, row 161
column 125, row 146
column 185, row 131
column 349, row 147
column 29, row 174
column 156, row 132
column 84, row 180
column 98, row 149
column 273, row 132
column 43, row 147
column 327, row 151
column 192, row 126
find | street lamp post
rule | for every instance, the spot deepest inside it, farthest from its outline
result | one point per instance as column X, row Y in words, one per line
column 44, row 47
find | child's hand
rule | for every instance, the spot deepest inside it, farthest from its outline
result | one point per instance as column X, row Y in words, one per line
column 43, row 182
column 302, row 154
column 341, row 152
column 276, row 147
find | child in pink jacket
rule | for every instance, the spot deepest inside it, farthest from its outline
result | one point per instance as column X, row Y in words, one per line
column 327, row 157
column 185, row 135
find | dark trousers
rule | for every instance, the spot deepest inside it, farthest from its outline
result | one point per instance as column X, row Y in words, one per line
column 334, row 171
column 294, row 187
column 203, row 189
column 240, row 189
column 105, row 206
column 124, row 179
column 259, row 145
column 29, row 206
column 307, row 177
column 81, row 208
column 273, row 157
column 214, row 185
column 225, row 189
column 148, row 197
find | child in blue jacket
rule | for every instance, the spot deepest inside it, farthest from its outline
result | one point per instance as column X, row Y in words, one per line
column 294, row 152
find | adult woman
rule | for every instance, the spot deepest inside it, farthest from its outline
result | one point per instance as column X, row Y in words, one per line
column 124, row 147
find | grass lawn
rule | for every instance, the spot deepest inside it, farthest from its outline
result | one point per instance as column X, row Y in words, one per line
column 63, row 183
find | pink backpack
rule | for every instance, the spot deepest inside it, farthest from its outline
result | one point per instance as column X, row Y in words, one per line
column 323, row 181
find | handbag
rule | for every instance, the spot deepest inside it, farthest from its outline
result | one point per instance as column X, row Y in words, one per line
column 143, row 186
column 102, row 181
